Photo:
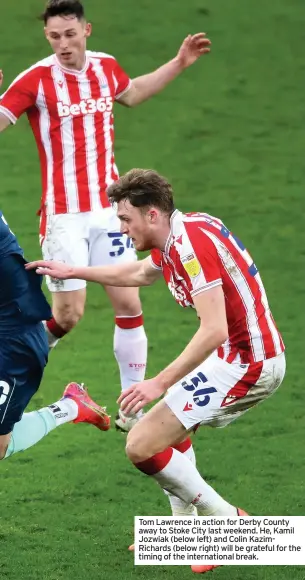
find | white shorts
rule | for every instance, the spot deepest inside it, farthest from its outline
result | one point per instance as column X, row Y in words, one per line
column 216, row 392
column 85, row 239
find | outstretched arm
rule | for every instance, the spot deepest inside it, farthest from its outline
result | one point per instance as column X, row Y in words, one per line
column 146, row 86
column 140, row 273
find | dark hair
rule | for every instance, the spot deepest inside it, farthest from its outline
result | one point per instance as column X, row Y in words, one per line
column 143, row 188
column 63, row 8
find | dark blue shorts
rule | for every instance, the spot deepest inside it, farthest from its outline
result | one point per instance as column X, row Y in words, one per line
column 22, row 362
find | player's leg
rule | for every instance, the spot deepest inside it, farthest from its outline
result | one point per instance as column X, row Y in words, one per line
column 178, row 506
column 129, row 343
column 75, row 406
column 108, row 246
column 19, row 430
column 67, row 308
column 215, row 394
column 19, row 382
column 150, row 448
column 65, row 239
column 22, row 361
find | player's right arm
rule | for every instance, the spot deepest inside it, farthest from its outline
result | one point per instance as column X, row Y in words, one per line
column 141, row 273
column 20, row 96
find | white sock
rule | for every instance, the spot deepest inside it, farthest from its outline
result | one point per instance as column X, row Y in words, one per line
column 64, row 411
column 52, row 340
column 178, row 506
column 130, row 351
column 181, row 478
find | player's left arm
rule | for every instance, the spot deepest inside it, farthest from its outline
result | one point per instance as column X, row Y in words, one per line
column 18, row 98
column 146, row 86
column 212, row 332
column 202, row 266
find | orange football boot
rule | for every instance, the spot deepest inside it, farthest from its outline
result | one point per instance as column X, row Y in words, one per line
column 88, row 410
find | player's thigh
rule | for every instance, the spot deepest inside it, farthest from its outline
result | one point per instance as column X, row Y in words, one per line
column 216, row 392
column 66, row 241
column 108, row 246
column 125, row 301
column 68, row 304
column 20, row 378
column 158, row 429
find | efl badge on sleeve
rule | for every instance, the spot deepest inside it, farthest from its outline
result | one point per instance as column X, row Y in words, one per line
column 191, row 265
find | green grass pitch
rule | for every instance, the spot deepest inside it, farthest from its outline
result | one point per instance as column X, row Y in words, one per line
column 230, row 135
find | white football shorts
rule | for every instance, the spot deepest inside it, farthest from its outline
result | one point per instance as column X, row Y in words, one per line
column 85, row 239
column 216, row 392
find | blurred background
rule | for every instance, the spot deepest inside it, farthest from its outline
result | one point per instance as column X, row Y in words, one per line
column 230, row 135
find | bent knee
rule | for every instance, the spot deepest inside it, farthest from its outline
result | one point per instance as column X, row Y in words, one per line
column 137, row 450
column 68, row 313
column 68, row 318
column 126, row 301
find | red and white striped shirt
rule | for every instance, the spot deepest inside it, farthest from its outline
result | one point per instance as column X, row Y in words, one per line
column 201, row 253
column 70, row 113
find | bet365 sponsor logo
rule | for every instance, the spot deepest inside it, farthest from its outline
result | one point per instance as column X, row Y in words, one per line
column 86, row 107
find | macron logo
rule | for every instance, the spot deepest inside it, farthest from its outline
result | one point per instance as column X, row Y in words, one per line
column 85, row 107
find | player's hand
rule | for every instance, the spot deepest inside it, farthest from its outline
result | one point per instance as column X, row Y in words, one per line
column 1, row 77
column 57, row 270
column 193, row 46
column 136, row 397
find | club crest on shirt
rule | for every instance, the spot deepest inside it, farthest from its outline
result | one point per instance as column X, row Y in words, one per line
column 191, row 265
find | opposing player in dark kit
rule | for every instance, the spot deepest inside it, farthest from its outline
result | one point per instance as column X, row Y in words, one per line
column 24, row 355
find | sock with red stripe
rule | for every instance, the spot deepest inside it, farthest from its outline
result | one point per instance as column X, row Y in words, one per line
column 178, row 506
column 130, row 349
column 175, row 473
column 54, row 332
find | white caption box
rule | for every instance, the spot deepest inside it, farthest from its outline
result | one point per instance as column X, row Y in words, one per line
column 246, row 540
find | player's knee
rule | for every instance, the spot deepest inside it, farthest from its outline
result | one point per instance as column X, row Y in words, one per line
column 133, row 452
column 136, row 448
column 128, row 307
column 68, row 315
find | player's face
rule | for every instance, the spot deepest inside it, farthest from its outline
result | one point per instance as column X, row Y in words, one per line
column 68, row 36
column 137, row 225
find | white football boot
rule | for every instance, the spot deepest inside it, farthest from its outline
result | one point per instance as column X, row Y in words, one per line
column 125, row 422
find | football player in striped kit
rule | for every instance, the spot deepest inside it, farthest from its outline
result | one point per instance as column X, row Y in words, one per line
column 234, row 361
column 69, row 98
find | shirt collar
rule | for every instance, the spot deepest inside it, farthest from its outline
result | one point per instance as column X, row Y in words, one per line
column 70, row 70
column 173, row 221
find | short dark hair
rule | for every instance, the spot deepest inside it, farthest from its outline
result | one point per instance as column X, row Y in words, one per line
column 143, row 188
column 63, row 8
